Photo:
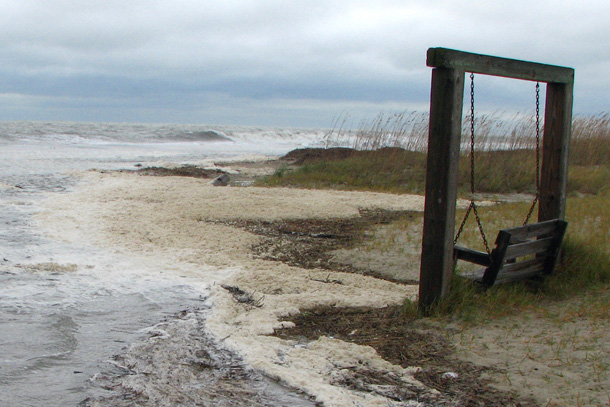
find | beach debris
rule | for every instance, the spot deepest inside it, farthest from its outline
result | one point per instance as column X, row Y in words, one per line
column 328, row 280
column 243, row 297
column 182, row 171
column 49, row 267
column 221, row 181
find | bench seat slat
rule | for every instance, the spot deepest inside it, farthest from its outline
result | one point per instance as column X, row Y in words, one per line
column 534, row 230
column 528, row 248
column 520, row 275
column 537, row 264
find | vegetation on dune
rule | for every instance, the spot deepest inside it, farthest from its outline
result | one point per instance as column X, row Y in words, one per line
column 388, row 155
column 384, row 170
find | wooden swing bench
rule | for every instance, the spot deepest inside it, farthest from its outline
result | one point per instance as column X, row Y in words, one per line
column 520, row 253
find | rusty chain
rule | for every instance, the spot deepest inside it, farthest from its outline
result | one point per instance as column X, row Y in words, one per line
column 473, row 206
column 537, row 197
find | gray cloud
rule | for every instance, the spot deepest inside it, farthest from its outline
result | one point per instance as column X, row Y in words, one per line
column 180, row 60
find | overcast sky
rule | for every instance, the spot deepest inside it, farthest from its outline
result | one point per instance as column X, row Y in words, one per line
column 279, row 62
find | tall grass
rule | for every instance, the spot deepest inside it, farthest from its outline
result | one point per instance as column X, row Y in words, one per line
column 505, row 159
column 493, row 132
column 407, row 130
column 590, row 140
column 589, row 171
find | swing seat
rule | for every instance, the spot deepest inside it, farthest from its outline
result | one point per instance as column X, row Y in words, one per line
column 521, row 252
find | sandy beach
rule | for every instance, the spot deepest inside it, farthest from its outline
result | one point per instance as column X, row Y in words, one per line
column 196, row 230
column 176, row 220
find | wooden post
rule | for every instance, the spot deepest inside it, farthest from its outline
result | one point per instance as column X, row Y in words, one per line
column 555, row 146
column 444, row 147
column 441, row 183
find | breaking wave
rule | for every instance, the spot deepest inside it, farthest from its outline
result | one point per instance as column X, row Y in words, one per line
column 111, row 133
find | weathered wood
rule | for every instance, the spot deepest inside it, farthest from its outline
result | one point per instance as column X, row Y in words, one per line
column 520, row 252
column 528, row 248
column 555, row 147
column 443, row 156
column 534, row 265
column 471, row 256
column 505, row 67
column 532, row 230
column 441, row 184
column 510, row 272
column 532, row 271
column 551, row 259
column 497, row 259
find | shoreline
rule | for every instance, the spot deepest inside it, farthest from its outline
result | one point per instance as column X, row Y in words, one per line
column 176, row 218
column 235, row 239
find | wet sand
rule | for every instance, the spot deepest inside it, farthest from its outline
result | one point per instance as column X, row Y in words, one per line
column 183, row 221
column 193, row 228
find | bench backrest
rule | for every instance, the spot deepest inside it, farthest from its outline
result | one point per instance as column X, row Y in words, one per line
column 525, row 251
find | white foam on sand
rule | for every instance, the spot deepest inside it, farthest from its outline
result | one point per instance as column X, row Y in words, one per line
column 172, row 219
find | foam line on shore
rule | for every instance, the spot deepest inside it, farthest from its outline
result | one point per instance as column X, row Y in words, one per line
column 173, row 219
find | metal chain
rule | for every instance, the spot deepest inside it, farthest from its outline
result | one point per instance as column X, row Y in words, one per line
column 472, row 135
column 476, row 215
column 537, row 197
column 473, row 206
column 461, row 228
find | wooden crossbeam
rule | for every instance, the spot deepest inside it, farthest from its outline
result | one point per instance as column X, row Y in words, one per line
column 496, row 66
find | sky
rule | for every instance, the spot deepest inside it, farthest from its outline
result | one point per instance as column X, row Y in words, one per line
column 280, row 62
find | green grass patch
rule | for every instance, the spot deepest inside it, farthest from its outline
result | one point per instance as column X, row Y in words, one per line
column 583, row 271
column 395, row 171
column 588, row 179
column 404, row 171
column 500, row 171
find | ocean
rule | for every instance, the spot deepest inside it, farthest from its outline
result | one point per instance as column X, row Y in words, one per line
column 67, row 309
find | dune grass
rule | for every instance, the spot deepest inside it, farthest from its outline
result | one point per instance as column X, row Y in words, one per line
column 504, row 164
column 505, row 159
column 399, row 171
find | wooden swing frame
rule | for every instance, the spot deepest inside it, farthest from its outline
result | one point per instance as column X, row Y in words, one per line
column 446, row 103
